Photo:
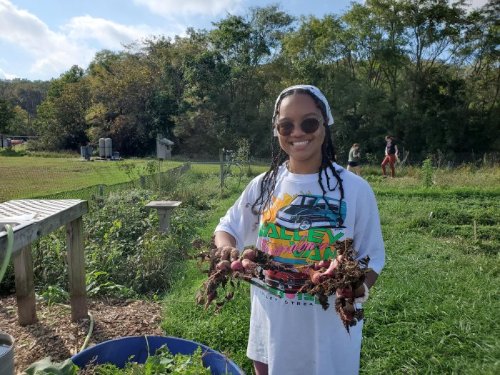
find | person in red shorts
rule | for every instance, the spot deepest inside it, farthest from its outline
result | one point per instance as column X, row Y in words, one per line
column 391, row 155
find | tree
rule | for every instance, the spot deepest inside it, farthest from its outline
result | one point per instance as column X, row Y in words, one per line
column 61, row 116
column 122, row 85
column 6, row 115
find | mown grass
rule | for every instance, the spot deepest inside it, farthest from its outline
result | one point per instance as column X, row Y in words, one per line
column 35, row 176
column 435, row 307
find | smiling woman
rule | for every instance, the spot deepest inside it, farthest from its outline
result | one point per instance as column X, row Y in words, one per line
column 296, row 212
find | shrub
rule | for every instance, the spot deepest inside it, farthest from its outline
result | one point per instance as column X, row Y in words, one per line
column 427, row 172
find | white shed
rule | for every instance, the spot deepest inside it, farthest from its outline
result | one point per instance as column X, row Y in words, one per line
column 163, row 147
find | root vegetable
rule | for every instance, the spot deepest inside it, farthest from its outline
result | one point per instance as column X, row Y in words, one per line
column 235, row 254
column 332, row 267
column 237, row 265
column 248, row 264
column 226, row 253
column 316, row 277
column 342, row 277
column 224, row 265
column 249, row 254
column 323, row 264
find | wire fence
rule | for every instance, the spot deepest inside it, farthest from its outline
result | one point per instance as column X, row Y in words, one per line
column 156, row 182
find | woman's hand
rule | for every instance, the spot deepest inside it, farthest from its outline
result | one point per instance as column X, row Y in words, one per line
column 360, row 294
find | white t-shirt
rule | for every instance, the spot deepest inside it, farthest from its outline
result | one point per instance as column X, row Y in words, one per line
column 290, row 331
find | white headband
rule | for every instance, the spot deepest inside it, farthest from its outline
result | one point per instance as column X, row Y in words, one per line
column 314, row 91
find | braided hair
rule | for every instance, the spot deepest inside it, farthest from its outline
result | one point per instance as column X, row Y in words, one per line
column 268, row 183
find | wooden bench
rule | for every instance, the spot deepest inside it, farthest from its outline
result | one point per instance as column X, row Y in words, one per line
column 164, row 209
column 45, row 216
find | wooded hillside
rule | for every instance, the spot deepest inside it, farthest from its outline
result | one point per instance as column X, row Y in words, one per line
column 425, row 71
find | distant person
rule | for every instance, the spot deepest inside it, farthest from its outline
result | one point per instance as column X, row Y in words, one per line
column 353, row 163
column 391, row 155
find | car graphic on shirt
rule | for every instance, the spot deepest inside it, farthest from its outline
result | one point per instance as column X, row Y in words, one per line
column 288, row 282
column 312, row 211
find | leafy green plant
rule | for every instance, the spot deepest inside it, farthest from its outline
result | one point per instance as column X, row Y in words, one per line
column 243, row 155
column 130, row 170
column 49, row 259
column 99, row 283
column 163, row 362
column 12, row 152
column 427, row 172
column 46, row 367
column 55, row 294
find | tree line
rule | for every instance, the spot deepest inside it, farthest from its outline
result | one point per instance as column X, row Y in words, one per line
column 425, row 71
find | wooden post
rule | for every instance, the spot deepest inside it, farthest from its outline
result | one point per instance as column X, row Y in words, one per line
column 221, row 161
column 76, row 269
column 159, row 175
column 25, row 287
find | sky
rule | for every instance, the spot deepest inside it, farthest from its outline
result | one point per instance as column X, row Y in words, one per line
column 41, row 39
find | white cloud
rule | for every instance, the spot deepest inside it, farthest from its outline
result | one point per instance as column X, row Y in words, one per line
column 76, row 43
column 109, row 34
column 168, row 8
column 5, row 75
column 53, row 52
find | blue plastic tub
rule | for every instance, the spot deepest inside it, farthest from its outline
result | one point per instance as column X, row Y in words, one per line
column 118, row 352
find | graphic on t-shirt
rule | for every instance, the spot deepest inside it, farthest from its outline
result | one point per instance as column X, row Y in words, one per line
column 314, row 211
column 298, row 231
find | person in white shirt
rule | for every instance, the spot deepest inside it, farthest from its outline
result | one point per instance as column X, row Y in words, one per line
column 295, row 212
column 354, row 159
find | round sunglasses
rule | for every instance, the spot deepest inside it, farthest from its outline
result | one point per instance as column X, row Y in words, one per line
column 309, row 125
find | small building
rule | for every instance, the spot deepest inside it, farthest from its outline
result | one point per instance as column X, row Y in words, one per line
column 163, row 147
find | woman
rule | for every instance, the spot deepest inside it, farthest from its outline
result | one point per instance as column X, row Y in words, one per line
column 391, row 155
column 354, row 159
column 295, row 212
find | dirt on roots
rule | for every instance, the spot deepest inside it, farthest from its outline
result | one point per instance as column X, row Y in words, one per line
column 55, row 335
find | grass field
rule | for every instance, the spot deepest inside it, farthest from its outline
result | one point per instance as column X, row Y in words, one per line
column 435, row 307
column 29, row 177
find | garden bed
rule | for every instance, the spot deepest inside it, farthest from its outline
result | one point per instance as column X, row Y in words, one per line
column 56, row 336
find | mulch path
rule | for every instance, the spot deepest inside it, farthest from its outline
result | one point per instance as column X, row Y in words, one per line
column 56, row 336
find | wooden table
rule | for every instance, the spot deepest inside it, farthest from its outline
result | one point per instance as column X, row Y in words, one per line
column 45, row 216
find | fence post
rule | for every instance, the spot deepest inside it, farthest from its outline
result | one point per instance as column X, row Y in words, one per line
column 221, row 160
column 159, row 174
